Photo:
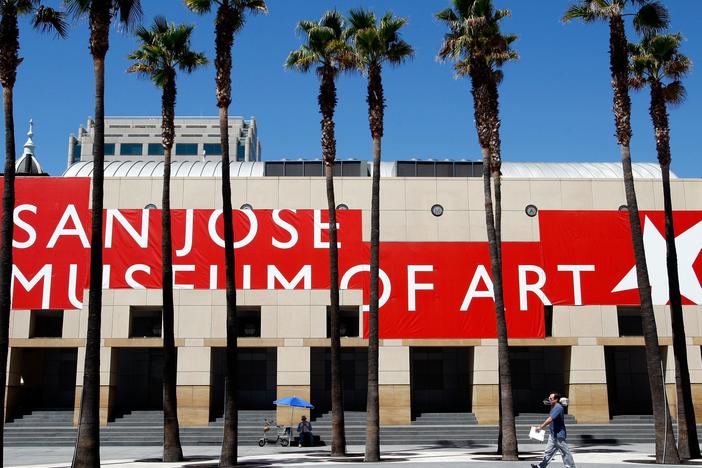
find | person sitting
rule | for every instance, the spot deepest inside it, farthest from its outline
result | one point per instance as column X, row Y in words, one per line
column 305, row 431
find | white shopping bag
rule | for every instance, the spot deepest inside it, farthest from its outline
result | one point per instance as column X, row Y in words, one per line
column 537, row 434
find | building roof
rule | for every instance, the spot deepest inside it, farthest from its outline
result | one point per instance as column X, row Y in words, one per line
column 154, row 168
column 510, row 170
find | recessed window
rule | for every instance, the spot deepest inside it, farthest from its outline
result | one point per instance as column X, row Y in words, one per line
column 629, row 321
column 348, row 322
column 75, row 156
column 155, row 149
column 212, row 149
column 248, row 322
column 130, row 149
column 145, row 322
column 186, row 149
column 46, row 324
column 240, row 152
column 109, row 149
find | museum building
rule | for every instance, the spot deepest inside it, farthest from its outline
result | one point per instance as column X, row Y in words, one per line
column 573, row 321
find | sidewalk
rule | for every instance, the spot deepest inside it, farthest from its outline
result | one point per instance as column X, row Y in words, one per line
column 635, row 455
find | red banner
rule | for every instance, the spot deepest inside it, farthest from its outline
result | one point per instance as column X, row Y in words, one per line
column 428, row 290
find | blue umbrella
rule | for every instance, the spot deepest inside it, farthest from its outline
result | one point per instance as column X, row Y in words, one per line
column 293, row 402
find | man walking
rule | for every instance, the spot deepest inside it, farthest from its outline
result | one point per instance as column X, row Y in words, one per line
column 557, row 434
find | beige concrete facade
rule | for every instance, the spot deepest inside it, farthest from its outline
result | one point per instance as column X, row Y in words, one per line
column 583, row 332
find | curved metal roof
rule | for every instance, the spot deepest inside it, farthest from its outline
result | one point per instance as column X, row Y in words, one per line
column 510, row 170
column 141, row 168
column 599, row 170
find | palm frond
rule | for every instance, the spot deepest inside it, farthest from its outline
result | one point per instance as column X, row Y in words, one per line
column 164, row 47
column 47, row 19
column 651, row 18
column 199, row 6
column 77, row 8
column 674, row 93
column 128, row 12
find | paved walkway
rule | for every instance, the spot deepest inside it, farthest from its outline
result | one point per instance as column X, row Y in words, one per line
column 635, row 455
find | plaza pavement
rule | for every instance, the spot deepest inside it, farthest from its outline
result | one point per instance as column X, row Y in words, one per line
column 590, row 456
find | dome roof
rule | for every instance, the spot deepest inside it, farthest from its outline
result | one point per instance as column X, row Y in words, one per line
column 154, row 168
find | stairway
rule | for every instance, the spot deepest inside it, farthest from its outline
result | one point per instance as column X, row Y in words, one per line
column 52, row 427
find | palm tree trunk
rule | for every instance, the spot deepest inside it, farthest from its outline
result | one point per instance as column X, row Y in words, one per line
column 376, row 104
column 507, row 424
column 87, row 453
column 8, row 206
column 224, row 40
column 172, row 450
column 666, row 450
column 373, row 403
column 688, row 445
column 229, row 442
column 327, row 104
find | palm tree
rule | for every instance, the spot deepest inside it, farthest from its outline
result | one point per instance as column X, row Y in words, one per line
column 100, row 14
column 230, row 19
column 165, row 48
column 649, row 17
column 375, row 43
column 656, row 62
column 45, row 19
column 327, row 50
column 475, row 42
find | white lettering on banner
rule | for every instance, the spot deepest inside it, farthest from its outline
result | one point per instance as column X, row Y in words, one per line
column 246, row 277
column 188, row 241
column 112, row 215
column 535, row 288
column 480, row 274
column 129, row 275
column 318, row 226
column 106, row 269
column 305, row 275
column 213, row 276
column 43, row 274
column 179, row 268
column 413, row 286
column 287, row 227
column 31, row 232
column 61, row 229
column 253, row 228
column 384, row 279
column 576, row 269
column 72, row 286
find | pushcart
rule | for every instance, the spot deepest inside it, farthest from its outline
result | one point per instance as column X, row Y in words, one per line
column 274, row 434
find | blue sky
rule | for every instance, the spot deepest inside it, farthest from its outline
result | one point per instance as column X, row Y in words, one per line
column 555, row 101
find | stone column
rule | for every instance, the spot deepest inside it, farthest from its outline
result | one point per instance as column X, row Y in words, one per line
column 108, row 382
column 293, row 377
column 394, row 383
column 587, row 384
column 486, row 399
column 694, row 364
column 193, row 385
column 13, row 390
